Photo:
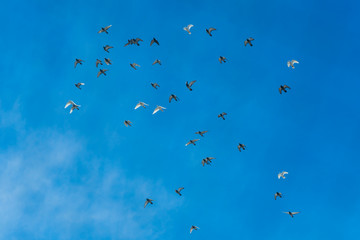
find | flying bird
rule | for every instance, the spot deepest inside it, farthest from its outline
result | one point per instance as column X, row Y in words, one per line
column 278, row 194
column 179, row 190
column 107, row 61
column 127, row 123
column 158, row 108
column 137, row 40
column 201, row 133
column 157, row 61
column 291, row 213
column 207, row 161
column 78, row 61
column 78, row 85
column 291, row 63
column 73, row 106
column 193, row 228
column 130, row 42
column 172, row 96
column 241, row 146
column 107, row 47
column 282, row 174
column 222, row 59
column 187, row 28
column 248, row 41
column 188, row 85
column 148, row 200
column 154, row 41
column 141, row 104
column 192, row 142
column 210, row 30
column 98, row 62
column 134, row 65
column 155, row 85
column 283, row 88
column 222, row 115
column 101, row 71
column 104, row 29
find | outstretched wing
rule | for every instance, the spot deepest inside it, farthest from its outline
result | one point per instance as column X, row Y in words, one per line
column 288, row 63
column 69, row 103
column 137, row 106
column 190, row 26
column 146, row 203
column 294, row 61
column 286, row 86
column 156, row 110
column 191, row 83
column 211, row 29
column 293, row 213
column 106, row 28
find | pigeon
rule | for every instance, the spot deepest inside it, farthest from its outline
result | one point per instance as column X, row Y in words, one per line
column 188, row 85
column 278, row 194
column 222, row 59
column 241, row 146
column 107, row 61
column 104, row 29
column 201, row 133
column 141, row 104
column 98, row 62
column 192, row 142
column 130, row 42
column 157, row 61
column 148, row 200
column 73, row 106
column 210, row 30
column 291, row 213
column 193, row 228
column 155, row 85
column 282, row 174
column 101, row 71
column 291, row 63
column 172, row 96
column 134, row 65
column 107, row 47
column 127, row 123
column 187, row 28
column 248, row 41
column 222, row 115
column 158, row 108
column 78, row 61
column 179, row 190
column 78, row 85
column 207, row 161
column 137, row 40
column 154, row 41
column 283, row 88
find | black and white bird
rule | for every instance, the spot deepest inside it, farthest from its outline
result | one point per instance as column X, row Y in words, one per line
column 154, row 41
column 282, row 174
column 141, row 104
column 283, row 88
column 172, row 96
column 201, row 133
column 210, row 30
column 155, row 85
column 158, row 108
column 192, row 142
column 157, row 61
column 78, row 61
column 107, row 47
column 78, row 85
column 148, row 200
column 134, row 65
column 291, row 63
column 221, row 115
column 73, row 106
column 248, row 41
column 107, row 61
column 102, row 71
column 193, row 228
column 98, row 61
column 188, row 27
column 179, row 190
column 241, row 146
column 189, row 84
column 104, row 29
column 278, row 194
column 222, row 59
column 292, row 213
column 127, row 123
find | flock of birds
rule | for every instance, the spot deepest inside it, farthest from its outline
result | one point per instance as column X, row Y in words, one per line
column 136, row 41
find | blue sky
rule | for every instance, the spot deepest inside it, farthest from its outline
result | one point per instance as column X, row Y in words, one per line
column 86, row 176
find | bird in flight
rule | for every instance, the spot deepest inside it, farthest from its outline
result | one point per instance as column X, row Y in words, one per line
column 148, row 200
column 155, row 85
column 141, row 104
column 127, row 123
column 248, row 41
column 78, row 61
column 104, row 29
column 134, row 65
column 193, row 228
column 222, row 115
column 291, row 63
column 154, row 41
column 101, row 71
column 283, row 88
column 158, row 108
column 192, row 142
column 107, row 61
column 188, row 85
column 73, row 106
column 210, row 30
column 98, row 62
column 107, row 47
column 179, row 190
column 78, row 85
column 222, row 59
column 278, row 194
column 172, row 96
column 137, row 40
column 187, row 28
column 157, row 61
column 282, row 174
column 241, row 146
column 207, row 161
column 201, row 133
column 291, row 213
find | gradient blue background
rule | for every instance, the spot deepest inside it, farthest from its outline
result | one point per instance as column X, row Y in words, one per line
column 86, row 176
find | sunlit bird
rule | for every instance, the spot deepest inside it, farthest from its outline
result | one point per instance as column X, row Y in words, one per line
column 158, row 108
column 78, row 85
column 193, row 228
column 291, row 63
column 78, row 61
column 141, row 104
column 221, row 115
column 102, row 71
column 155, row 85
column 73, row 106
column 107, row 47
column 222, row 59
column 157, row 61
column 241, row 146
column 192, row 142
column 201, row 133
column 127, row 123
column 188, row 27
column 134, row 65
column 248, row 41
column 98, row 62
column 107, row 61
column 148, row 200
column 292, row 213
column 210, row 30
column 282, row 174
column 104, row 29
column 278, row 194
column 189, row 84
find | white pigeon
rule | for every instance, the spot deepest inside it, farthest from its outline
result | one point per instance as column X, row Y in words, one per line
column 188, row 28
column 74, row 106
column 282, row 174
column 158, row 108
column 193, row 228
column 291, row 63
column 141, row 104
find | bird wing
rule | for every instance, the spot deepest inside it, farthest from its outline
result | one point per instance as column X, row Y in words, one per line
column 275, row 195
column 210, row 158
column 212, row 29
column 288, row 63
column 126, row 44
column 195, row 140
column 285, row 173
column 294, row 61
column 204, row 132
column 138, row 39
column 190, row 26
column 135, row 64
column 170, row 98
column 279, row 175
column 137, row 106
column 280, row 90
column 100, row 31
column 251, row 39
column 287, row 213
column 155, row 62
column 152, row 41
column 69, row 103
column 293, row 213
column 187, row 143
column 106, row 28
column 146, row 203
column 76, row 62
column 156, row 110
column 246, row 42
column 82, row 84
column 286, row 86
column 224, row 113
column 191, row 229
column 191, row 83
column 181, row 188
column 99, row 73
